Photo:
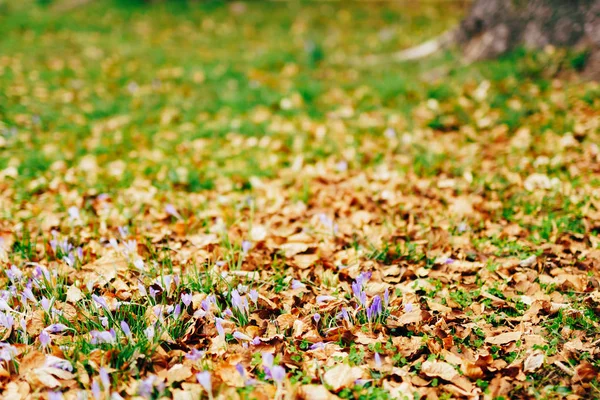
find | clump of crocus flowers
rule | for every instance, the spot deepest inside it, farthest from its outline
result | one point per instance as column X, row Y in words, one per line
column 374, row 310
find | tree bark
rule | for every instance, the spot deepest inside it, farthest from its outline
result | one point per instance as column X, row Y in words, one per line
column 494, row 27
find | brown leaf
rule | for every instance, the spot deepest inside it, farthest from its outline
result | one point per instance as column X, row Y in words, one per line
column 341, row 376
column 439, row 369
column 504, row 338
column 533, row 361
column 315, row 392
column 178, row 373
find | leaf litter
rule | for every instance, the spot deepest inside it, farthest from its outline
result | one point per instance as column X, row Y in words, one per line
column 352, row 252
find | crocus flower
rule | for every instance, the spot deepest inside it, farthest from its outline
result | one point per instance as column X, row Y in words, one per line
column 267, row 359
column 45, row 303
column 125, row 328
column 241, row 336
column 149, row 332
column 56, row 362
column 246, row 246
column 345, row 315
column 324, row 298
column 55, row 328
column 389, row 133
column 317, row 317
column 253, row 296
column 123, row 231
column 6, row 320
column 219, row 325
column 170, row 209
column 186, row 298
column 377, row 360
column 55, row 395
column 408, row 307
column 104, row 378
column 146, row 387
column 386, row 297
column 96, row 391
column 101, row 302
column 296, row 284
column 73, row 213
column 204, row 378
column 44, row 339
column 177, row 311
column 240, row 369
column 317, row 346
column 278, row 373
column 99, row 337
column 14, row 273
column 139, row 264
column 194, row 355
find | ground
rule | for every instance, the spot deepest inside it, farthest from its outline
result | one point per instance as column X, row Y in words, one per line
column 219, row 200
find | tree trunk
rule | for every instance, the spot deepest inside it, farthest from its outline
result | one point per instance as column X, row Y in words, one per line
column 494, row 27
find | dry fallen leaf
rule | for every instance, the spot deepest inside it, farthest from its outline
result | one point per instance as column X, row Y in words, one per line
column 504, row 338
column 341, row 376
column 439, row 369
column 533, row 361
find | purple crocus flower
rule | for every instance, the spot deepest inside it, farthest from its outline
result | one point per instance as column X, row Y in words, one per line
column 73, row 213
column 389, row 133
column 101, row 301
column 317, row 317
column 125, row 328
column 45, row 303
column 237, row 301
column 386, row 297
column 253, row 296
column 104, row 378
column 186, row 298
column 55, row 395
column 345, row 315
column 278, row 373
column 240, row 369
column 363, row 299
column 55, row 328
column 172, row 211
column 123, row 231
column 204, row 378
column 44, row 339
column 246, row 246
column 317, row 346
column 194, row 355
column 376, row 306
column 241, row 336
column 408, row 307
column 377, row 360
column 324, row 298
column 296, row 284
column 99, row 337
column 219, row 325
column 14, row 273
column 7, row 320
column 149, row 332
column 448, row 260
column 96, row 391
column 56, row 362
column 256, row 341
column 267, row 359
column 364, row 277
column 177, row 311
